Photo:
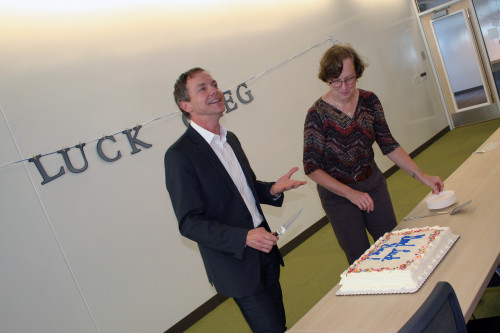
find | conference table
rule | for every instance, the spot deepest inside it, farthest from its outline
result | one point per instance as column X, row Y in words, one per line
column 468, row 266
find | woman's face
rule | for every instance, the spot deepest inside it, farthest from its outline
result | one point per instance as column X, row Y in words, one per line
column 344, row 86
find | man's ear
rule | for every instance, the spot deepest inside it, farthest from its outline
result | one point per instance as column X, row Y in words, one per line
column 185, row 106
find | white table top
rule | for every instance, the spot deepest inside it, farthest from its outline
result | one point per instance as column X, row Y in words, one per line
column 468, row 266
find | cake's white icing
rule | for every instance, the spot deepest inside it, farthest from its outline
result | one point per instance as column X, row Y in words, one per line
column 398, row 262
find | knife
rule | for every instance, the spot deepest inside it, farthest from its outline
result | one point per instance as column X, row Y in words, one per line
column 287, row 224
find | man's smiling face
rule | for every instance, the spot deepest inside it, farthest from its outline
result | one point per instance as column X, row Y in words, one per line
column 205, row 97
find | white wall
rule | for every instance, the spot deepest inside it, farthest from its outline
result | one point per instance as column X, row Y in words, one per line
column 99, row 251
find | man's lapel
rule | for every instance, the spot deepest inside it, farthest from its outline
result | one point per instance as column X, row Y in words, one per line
column 205, row 149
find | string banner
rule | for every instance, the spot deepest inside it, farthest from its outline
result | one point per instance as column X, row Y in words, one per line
column 241, row 94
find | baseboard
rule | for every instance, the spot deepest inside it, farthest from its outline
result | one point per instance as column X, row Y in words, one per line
column 213, row 302
column 197, row 314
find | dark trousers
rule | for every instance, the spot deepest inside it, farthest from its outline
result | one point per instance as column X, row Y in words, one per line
column 264, row 310
column 350, row 223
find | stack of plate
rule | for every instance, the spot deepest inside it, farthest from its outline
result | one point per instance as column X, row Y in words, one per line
column 441, row 200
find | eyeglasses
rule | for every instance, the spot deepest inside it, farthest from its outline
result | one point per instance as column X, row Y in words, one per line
column 349, row 81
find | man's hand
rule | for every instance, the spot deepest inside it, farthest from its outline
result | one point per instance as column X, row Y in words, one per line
column 285, row 183
column 260, row 239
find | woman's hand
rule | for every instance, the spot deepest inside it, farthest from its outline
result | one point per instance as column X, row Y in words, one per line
column 434, row 182
column 361, row 199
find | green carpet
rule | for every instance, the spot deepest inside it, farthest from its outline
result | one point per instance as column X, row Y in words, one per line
column 313, row 268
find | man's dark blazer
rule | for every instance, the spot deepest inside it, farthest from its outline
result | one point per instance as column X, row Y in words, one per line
column 211, row 211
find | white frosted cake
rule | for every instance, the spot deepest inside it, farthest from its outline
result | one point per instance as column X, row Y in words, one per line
column 398, row 262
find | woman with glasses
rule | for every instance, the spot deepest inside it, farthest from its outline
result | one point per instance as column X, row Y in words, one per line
column 339, row 131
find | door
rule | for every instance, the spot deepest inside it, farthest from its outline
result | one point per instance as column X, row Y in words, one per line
column 460, row 66
column 488, row 17
column 461, row 60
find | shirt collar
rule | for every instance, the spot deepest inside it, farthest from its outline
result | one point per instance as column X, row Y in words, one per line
column 209, row 136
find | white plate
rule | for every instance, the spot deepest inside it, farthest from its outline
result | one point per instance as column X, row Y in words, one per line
column 441, row 200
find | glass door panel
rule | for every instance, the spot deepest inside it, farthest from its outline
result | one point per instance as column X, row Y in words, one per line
column 459, row 54
column 488, row 16
column 424, row 5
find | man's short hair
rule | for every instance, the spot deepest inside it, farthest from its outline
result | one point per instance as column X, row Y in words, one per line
column 180, row 89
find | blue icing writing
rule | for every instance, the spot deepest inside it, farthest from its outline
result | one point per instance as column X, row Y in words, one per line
column 396, row 248
column 392, row 255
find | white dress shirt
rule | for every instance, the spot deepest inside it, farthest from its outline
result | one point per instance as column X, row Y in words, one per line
column 227, row 157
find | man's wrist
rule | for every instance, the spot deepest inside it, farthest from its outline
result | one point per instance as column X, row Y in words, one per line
column 273, row 193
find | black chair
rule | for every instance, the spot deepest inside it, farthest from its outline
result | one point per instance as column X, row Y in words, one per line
column 495, row 279
column 440, row 313
column 488, row 324
column 484, row 325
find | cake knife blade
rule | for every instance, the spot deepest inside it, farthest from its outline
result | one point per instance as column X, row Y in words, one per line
column 451, row 212
column 287, row 224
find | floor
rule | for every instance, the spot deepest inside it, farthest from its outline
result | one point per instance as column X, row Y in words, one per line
column 470, row 97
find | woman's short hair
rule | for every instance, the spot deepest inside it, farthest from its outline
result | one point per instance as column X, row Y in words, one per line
column 331, row 64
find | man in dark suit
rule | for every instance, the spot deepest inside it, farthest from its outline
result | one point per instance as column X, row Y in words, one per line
column 216, row 199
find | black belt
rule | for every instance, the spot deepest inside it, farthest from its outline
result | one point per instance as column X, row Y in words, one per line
column 358, row 178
